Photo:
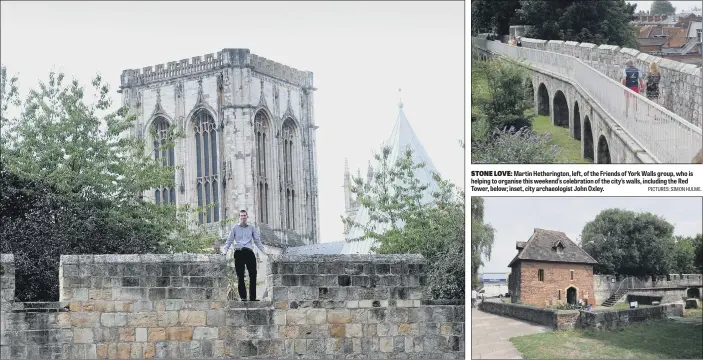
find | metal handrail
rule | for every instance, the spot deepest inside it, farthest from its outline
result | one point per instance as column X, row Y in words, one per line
column 622, row 282
column 665, row 136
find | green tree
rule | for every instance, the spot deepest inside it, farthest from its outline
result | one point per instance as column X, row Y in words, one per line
column 482, row 237
column 698, row 259
column 402, row 223
column 662, row 7
column 628, row 243
column 684, row 255
column 38, row 224
column 500, row 92
column 78, row 146
column 598, row 22
column 493, row 16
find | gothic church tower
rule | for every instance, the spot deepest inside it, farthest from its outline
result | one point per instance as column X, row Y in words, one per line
column 249, row 140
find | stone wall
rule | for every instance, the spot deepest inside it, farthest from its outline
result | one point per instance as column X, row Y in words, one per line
column 7, row 281
column 609, row 319
column 570, row 319
column 605, row 285
column 555, row 319
column 681, row 88
column 175, row 306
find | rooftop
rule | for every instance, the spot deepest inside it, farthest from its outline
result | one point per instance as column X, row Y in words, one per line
column 211, row 62
column 543, row 244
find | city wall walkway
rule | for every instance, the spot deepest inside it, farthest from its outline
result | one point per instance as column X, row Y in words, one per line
column 490, row 335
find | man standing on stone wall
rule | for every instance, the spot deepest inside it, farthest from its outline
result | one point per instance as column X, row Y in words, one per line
column 244, row 237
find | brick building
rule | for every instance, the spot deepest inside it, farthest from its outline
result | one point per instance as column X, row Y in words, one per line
column 550, row 269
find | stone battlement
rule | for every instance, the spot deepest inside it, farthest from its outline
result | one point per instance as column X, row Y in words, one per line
column 681, row 87
column 211, row 62
column 177, row 306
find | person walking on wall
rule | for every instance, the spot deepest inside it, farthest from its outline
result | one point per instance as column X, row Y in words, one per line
column 631, row 77
column 244, row 237
column 653, row 79
column 632, row 80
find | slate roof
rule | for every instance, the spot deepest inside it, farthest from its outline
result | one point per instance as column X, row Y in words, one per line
column 540, row 247
column 401, row 138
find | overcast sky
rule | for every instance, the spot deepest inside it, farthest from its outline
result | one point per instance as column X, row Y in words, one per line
column 515, row 218
column 679, row 5
column 360, row 53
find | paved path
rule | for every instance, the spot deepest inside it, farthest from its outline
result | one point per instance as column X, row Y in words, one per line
column 490, row 334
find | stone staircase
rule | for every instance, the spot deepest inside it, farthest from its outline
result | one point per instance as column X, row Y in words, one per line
column 614, row 298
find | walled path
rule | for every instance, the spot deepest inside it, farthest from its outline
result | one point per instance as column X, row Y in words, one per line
column 490, row 334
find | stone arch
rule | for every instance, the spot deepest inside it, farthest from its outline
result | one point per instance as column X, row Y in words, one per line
column 587, row 139
column 561, row 110
column 577, row 121
column 693, row 293
column 603, row 151
column 542, row 100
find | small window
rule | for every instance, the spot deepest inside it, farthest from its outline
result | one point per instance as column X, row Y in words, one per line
column 540, row 275
column 560, row 250
column 559, row 295
column 572, row 275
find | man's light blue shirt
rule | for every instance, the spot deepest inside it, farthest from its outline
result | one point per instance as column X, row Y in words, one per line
column 243, row 236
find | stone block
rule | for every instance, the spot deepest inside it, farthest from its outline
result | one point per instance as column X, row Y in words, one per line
column 289, row 332
column 296, row 317
column 316, row 316
column 338, row 316
column 124, row 350
column 156, row 334
column 386, row 344
column 167, row 319
column 85, row 320
column 205, row 333
column 179, row 333
column 192, row 318
column 143, row 319
column 82, row 336
column 136, row 351
column 336, row 331
column 148, row 350
column 127, row 334
column 215, row 317
column 141, row 334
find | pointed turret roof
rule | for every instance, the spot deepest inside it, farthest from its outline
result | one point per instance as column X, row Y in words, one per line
column 402, row 138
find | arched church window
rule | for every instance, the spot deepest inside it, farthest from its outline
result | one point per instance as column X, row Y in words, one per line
column 288, row 173
column 207, row 184
column 164, row 154
column 261, row 130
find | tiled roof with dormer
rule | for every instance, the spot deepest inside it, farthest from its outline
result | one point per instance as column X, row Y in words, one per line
column 542, row 246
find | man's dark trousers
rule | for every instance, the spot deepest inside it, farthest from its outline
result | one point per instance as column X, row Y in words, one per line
column 245, row 257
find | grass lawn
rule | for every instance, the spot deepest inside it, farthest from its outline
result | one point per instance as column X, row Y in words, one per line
column 569, row 147
column 651, row 340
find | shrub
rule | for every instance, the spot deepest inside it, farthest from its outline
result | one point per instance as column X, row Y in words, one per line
column 515, row 147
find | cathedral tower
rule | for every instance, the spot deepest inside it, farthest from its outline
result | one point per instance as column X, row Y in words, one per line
column 249, row 140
